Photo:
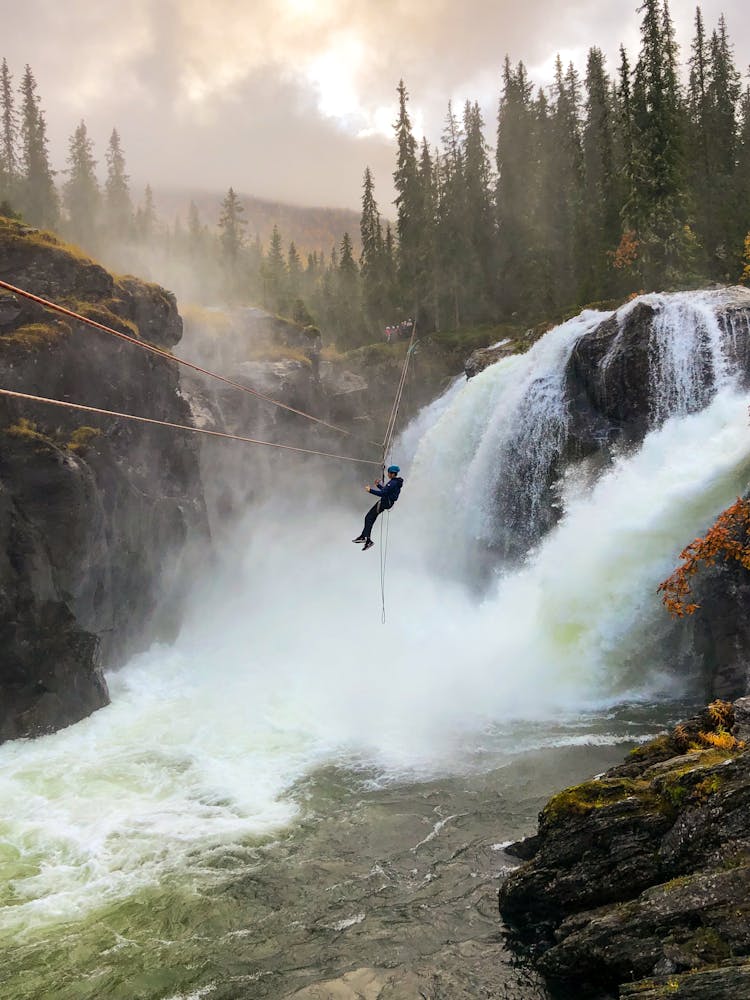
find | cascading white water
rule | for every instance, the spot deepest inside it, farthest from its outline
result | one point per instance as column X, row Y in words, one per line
column 497, row 438
column 688, row 351
column 283, row 664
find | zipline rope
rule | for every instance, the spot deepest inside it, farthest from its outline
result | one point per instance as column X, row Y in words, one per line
column 383, row 560
column 181, row 427
column 386, row 444
column 171, row 357
column 389, row 432
column 390, row 429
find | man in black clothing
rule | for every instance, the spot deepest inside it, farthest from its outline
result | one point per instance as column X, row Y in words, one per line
column 387, row 492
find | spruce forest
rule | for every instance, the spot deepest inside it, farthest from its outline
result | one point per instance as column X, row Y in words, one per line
column 605, row 183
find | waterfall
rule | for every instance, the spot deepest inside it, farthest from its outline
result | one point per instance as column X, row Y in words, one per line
column 283, row 665
column 500, row 443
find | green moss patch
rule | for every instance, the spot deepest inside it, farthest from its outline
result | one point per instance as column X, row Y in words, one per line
column 26, row 430
column 101, row 312
column 81, row 438
column 33, row 336
column 579, row 800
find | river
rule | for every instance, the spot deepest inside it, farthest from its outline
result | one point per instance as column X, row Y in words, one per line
column 295, row 793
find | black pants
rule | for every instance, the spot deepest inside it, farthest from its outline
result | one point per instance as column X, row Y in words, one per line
column 372, row 514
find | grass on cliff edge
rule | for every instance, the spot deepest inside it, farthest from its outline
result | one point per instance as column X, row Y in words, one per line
column 12, row 229
column 35, row 335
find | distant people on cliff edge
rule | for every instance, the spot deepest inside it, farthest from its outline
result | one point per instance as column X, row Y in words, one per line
column 399, row 331
column 387, row 491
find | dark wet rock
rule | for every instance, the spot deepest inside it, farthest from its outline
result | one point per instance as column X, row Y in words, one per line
column 645, row 871
column 94, row 512
column 483, row 357
column 719, row 632
column 729, row 982
column 524, row 849
column 741, row 727
column 611, row 388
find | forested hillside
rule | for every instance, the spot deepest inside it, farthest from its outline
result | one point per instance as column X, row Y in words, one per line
column 607, row 181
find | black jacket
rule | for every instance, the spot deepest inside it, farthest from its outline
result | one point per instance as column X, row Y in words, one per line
column 388, row 492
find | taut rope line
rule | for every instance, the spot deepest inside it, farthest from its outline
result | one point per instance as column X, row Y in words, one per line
column 390, row 429
column 397, row 401
column 180, row 427
column 171, row 357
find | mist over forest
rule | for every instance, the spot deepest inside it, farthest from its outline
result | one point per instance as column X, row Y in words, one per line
column 605, row 182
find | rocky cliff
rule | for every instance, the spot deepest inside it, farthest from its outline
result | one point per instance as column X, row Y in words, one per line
column 94, row 512
column 639, row 879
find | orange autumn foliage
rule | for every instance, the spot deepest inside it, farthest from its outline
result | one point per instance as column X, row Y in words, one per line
column 626, row 253
column 745, row 279
column 728, row 539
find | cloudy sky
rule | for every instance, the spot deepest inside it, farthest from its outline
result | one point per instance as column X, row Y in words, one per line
column 290, row 99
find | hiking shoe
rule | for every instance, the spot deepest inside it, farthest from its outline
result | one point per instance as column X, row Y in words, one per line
column 360, row 539
column 368, row 545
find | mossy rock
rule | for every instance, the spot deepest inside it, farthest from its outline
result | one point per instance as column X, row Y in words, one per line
column 26, row 431
column 34, row 336
column 14, row 230
column 100, row 312
column 580, row 800
column 81, row 439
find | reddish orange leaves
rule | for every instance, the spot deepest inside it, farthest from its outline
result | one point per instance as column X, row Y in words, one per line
column 728, row 539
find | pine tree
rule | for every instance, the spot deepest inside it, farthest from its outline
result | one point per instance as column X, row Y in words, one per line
column 371, row 261
column 145, row 217
column 723, row 236
column 390, row 267
column 294, row 272
column 81, row 190
column 602, row 197
column 697, row 96
column 453, row 237
column 232, row 228
column 196, row 234
column 656, row 210
column 8, row 138
column 349, row 320
column 118, row 207
column 428, row 261
column 408, row 223
column 561, row 249
column 742, row 179
column 517, row 193
column 724, row 94
column 37, row 195
column 481, row 266
column 274, row 275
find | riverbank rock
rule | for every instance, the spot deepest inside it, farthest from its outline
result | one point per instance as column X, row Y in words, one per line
column 643, row 874
column 95, row 512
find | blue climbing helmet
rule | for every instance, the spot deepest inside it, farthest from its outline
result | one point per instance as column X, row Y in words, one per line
column 394, row 468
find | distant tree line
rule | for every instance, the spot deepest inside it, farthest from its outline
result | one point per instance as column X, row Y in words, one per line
column 599, row 187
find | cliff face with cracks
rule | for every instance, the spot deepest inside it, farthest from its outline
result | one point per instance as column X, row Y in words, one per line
column 639, row 880
column 94, row 512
